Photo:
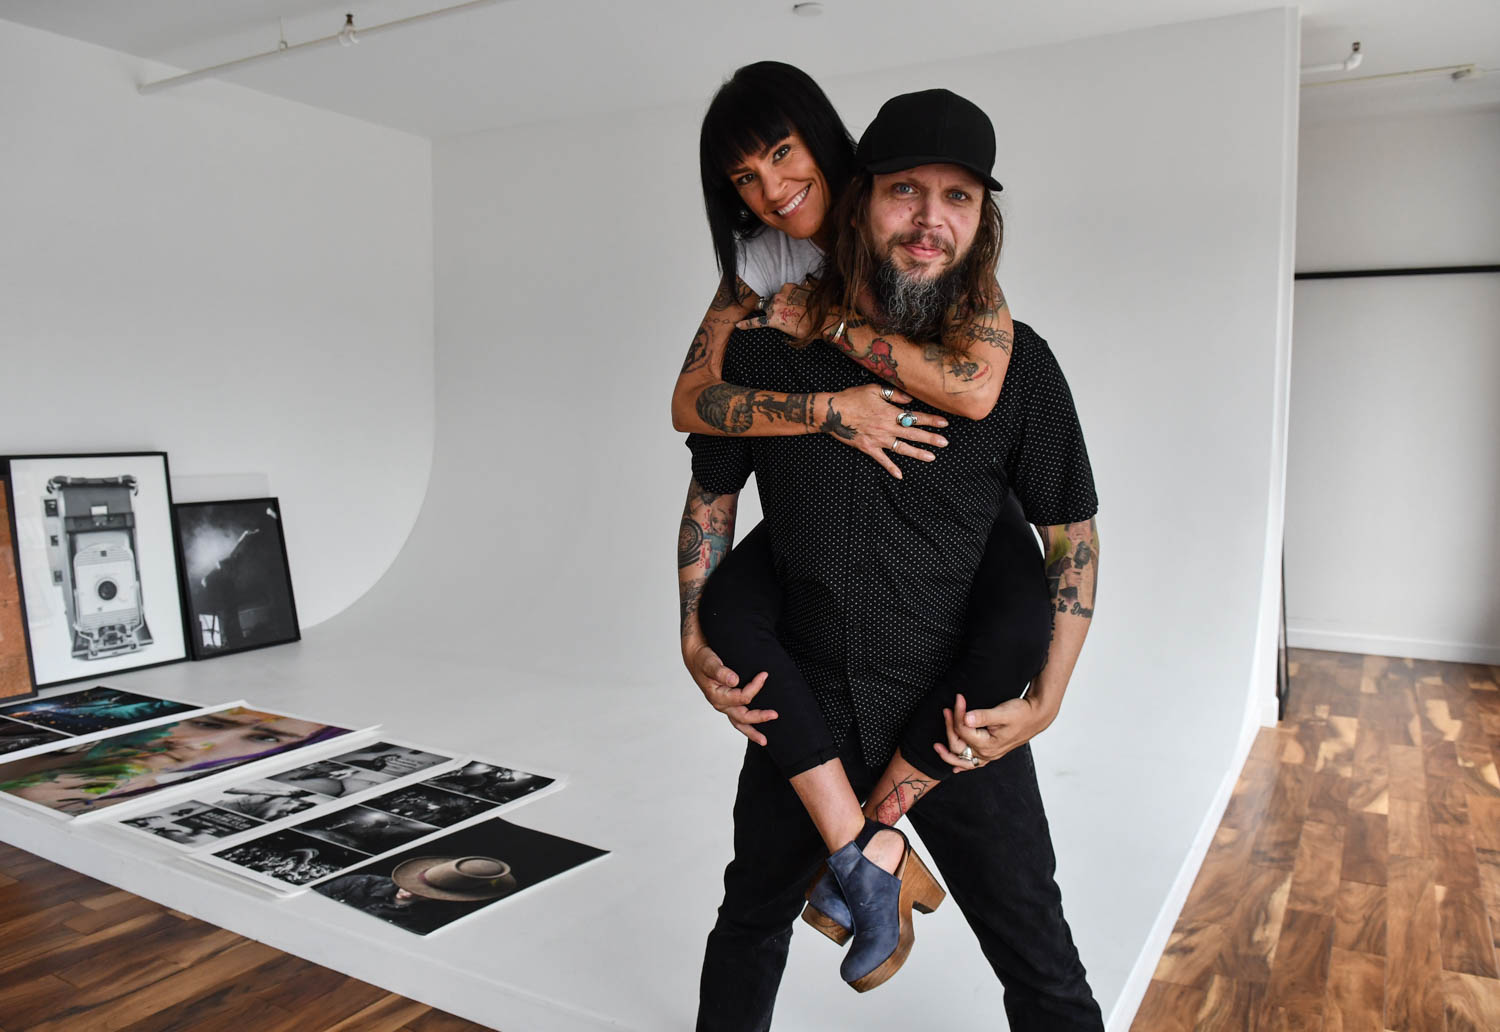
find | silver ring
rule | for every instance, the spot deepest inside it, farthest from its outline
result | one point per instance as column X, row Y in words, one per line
column 907, row 419
column 968, row 754
column 887, row 392
column 896, row 445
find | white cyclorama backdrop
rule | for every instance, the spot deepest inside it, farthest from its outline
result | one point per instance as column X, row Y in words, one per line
column 239, row 281
column 1147, row 203
column 1393, row 488
column 148, row 583
column 532, row 615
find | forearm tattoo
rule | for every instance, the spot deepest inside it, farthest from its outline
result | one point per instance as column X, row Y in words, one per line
column 834, row 424
column 1073, row 567
column 697, row 356
column 725, row 298
column 732, row 409
column 901, row 798
column 877, row 356
column 705, row 537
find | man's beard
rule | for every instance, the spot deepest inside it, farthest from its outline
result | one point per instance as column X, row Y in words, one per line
column 912, row 306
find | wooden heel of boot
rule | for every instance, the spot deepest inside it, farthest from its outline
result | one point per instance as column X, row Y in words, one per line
column 825, row 924
column 926, row 894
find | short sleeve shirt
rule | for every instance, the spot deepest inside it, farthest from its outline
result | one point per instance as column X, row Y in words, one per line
column 771, row 259
column 876, row 571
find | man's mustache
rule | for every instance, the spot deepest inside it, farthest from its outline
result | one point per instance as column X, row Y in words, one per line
column 924, row 240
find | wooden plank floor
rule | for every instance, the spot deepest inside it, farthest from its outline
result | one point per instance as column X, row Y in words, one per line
column 77, row 955
column 1354, row 882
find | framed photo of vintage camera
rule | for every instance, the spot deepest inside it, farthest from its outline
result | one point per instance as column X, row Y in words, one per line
column 239, row 583
column 16, row 679
column 99, row 585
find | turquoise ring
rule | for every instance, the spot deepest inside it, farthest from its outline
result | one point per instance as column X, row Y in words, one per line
column 907, row 419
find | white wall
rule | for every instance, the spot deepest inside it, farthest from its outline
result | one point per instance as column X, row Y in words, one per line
column 1148, row 238
column 242, row 282
column 1394, row 483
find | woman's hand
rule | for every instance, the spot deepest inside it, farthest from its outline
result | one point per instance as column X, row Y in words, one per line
column 787, row 312
column 863, row 418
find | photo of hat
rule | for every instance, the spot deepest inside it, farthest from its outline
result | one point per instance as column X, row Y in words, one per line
column 460, row 879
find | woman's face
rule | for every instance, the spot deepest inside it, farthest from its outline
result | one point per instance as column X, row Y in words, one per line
column 233, row 733
column 783, row 187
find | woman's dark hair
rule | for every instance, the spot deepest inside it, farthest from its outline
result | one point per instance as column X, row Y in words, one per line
column 852, row 263
column 759, row 105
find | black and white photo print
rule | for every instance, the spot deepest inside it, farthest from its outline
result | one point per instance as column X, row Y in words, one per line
column 369, row 831
column 291, row 857
column 239, row 584
column 392, row 759
column 98, row 563
column 489, row 781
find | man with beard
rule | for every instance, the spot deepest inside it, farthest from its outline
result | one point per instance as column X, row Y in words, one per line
column 876, row 574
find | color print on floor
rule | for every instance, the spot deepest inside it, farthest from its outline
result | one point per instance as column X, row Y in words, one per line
column 1354, row 881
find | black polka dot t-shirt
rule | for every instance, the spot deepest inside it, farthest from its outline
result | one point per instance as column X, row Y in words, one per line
column 876, row 571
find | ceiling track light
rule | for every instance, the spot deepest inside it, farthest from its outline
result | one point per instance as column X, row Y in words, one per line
column 348, row 36
column 1348, row 64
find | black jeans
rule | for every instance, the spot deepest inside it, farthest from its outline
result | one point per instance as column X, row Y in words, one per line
column 1007, row 630
column 986, row 832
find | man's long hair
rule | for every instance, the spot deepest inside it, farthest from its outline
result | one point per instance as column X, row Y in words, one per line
column 853, row 263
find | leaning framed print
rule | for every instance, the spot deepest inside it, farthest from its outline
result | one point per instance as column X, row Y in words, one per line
column 16, row 681
column 239, row 584
column 100, row 591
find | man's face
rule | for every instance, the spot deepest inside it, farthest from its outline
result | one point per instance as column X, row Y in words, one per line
column 923, row 220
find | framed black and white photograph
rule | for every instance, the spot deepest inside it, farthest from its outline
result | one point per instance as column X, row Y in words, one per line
column 239, row 583
column 16, row 680
column 98, row 577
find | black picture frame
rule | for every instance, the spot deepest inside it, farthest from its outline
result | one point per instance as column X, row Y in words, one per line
column 166, row 620
column 249, row 606
column 16, row 666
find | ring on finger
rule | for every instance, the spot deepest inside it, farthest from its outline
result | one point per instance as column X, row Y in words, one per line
column 887, row 392
column 907, row 419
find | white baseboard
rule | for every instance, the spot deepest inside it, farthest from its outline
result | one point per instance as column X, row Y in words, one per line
column 1384, row 645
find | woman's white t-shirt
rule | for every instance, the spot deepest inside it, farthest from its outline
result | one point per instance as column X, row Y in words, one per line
column 771, row 259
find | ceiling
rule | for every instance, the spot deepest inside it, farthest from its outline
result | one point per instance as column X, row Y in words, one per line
column 518, row 61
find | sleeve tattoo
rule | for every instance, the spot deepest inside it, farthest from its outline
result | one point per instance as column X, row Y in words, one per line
column 1072, row 567
column 706, row 535
column 733, row 409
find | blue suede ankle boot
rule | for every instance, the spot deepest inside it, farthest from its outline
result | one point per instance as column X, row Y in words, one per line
column 879, row 907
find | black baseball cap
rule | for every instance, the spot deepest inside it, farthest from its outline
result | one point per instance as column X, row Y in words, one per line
column 932, row 127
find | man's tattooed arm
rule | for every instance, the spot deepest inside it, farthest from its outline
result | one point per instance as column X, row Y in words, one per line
column 961, row 375
column 1072, row 566
column 705, row 537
